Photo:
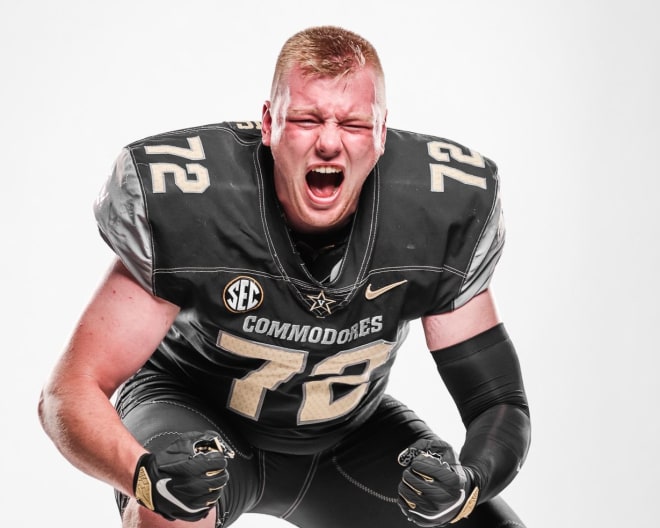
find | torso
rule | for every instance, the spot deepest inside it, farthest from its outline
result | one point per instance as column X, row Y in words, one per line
column 298, row 362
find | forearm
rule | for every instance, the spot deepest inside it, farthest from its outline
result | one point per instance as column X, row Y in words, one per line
column 86, row 429
column 483, row 376
column 495, row 447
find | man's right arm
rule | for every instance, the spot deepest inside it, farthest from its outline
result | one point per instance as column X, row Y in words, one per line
column 120, row 328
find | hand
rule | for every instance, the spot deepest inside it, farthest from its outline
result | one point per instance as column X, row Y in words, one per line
column 184, row 480
column 435, row 488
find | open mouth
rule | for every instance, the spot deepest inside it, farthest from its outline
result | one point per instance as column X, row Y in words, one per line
column 323, row 182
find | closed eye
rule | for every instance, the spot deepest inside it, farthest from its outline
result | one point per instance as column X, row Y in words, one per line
column 357, row 126
column 303, row 121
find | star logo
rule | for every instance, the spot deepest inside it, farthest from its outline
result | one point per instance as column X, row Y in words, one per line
column 321, row 302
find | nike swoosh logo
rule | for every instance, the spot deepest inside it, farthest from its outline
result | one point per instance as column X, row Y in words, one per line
column 161, row 486
column 444, row 512
column 372, row 294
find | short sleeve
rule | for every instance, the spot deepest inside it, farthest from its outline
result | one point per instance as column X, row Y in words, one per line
column 121, row 217
column 485, row 255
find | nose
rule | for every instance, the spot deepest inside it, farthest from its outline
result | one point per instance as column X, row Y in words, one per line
column 328, row 143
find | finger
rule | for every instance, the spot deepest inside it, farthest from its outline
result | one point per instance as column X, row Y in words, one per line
column 425, row 477
column 431, row 468
column 407, row 503
column 411, row 487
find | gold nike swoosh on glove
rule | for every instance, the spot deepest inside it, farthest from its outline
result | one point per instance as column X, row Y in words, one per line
column 370, row 294
column 469, row 505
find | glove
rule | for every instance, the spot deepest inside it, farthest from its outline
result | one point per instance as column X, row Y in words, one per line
column 184, row 480
column 434, row 488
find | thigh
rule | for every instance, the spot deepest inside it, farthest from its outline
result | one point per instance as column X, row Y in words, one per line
column 156, row 409
column 356, row 484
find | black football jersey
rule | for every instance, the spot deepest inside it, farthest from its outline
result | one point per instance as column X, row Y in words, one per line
column 297, row 363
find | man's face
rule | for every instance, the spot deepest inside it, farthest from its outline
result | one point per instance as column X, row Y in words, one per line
column 331, row 138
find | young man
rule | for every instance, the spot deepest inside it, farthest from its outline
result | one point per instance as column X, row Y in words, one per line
column 266, row 275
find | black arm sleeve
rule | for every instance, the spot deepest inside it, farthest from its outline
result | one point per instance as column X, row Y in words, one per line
column 484, row 379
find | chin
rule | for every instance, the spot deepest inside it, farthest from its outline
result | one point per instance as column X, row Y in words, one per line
column 329, row 223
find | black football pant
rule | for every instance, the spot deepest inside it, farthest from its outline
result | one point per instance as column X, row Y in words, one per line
column 352, row 485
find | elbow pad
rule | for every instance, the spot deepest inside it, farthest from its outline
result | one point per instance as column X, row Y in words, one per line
column 483, row 377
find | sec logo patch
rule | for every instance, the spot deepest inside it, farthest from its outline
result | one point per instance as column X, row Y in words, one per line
column 242, row 294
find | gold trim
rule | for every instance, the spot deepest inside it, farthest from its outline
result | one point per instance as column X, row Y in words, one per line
column 411, row 486
column 143, row 489
column 411, row 505
column 467, row 508
column 426, row 478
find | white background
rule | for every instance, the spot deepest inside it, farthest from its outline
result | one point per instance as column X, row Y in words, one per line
column 563, row 95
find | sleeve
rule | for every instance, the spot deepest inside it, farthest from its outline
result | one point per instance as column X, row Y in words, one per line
column 122, row 219
column 485, row 255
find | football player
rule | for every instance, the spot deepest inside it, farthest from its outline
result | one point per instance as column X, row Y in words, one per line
column 266, row 276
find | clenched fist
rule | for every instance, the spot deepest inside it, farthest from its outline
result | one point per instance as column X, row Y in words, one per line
column 435, row 488
column 184, row 480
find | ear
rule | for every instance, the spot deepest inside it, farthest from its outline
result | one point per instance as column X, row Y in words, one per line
column 266, row 124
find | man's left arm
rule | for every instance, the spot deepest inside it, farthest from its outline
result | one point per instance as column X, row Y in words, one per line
column 480, row 368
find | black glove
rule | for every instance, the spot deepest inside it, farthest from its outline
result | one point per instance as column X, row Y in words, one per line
column 184, row 480
column 435, row 489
